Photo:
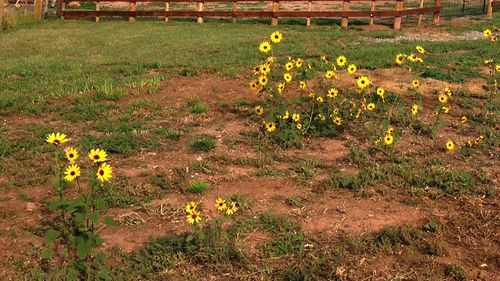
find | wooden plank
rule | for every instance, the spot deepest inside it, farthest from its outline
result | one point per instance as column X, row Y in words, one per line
column 489, row 9
column 345, row 8
column 372, row 9
column 1, row 12
column 132, row 8
column 221, row 1
column 309, row 9
column 397, row 19
column 276, row 6
column 495, row 3
column 60, row 8
column 420, row 5
column 284, row 14
column 235, row 8
column 167, row 8
column 37, row 9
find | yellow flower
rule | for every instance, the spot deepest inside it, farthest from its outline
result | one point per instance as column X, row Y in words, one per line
column 443, row 98
column 233, row 208
column 312, row 94
column 276, row 37
column 286, row 116
column 493, row 38
column 265, row 47
column 320, row 99
column 497, row 67
column 446, row 109
column 487, row 33
column 264, row 69
column 299, row 126
column 98, row 155
column 341, row 61
column 104, row 172
column 281, row 87
column 400, row 59
column 363, row 82
column 289, row 66
column 263, row 80
column 259, row 110
column 270, row 127
column 420, row 49
column 72, row 172
column 390, row 131
column 332, row 93
column 220, row 204
column 450, row 145
column 415, row 84
column 321, row 117
column 463, row 120
column 370, row 106
column 194, row 217
column 287, row 77
column 447, row 91
column 412, row 57
column 388, row 139
column 302, row 84
column 324, row 59
column 337, row 120
column 256, row 70
column 56, row 139
column 329, row 74
column 414, row 109
column 479, row 139
column 254, row 86
column 351, row 69
column 71, row 154
column 299, row 63
column 191, row 207
column 488, row 61
column 380, row 91
column 296, row 117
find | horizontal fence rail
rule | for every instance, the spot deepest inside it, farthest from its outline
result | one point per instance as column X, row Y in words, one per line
column 274, row 14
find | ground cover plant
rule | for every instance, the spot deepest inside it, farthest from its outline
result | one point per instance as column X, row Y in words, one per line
column 267, row 154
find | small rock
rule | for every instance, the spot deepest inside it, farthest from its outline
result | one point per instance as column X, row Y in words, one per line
column 30, row 207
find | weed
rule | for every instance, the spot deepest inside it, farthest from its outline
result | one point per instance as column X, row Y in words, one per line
column 197, row 187
column 202, row 143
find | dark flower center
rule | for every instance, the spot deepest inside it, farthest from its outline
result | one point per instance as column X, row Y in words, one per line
column 71, row 155
column 72, row 173
column 101, row 172
column 57, row 142
column 96, row 157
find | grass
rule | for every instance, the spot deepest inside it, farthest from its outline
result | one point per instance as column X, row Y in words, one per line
column 198, row 186
column 202, row 143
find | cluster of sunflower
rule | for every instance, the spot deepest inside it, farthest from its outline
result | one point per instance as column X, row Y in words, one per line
column 493, row 66
column 227, row 207
column 72, row 170
column 321, row 107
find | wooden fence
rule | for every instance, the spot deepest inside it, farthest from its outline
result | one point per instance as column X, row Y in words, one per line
column 398, row 13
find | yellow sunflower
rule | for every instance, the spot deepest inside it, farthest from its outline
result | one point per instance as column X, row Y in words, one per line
column 351, row 69
column 71, row 154
column 287, row 77
column 363, row 82
column 286, row 116
column 443, row 98
column 412, row 57
column 446, row 109
column 194, row 217
column 414, row 109
column 329, row 74
column 332, row 93
column 390, row 131
column 497, row 67
column 320, row 99
column 56, row 138
column 264, row 69
column 104, row 172
column 232, row 208
column 221, row 205
column 420, row 49
column 388, row 139
column 450, row 145
column 487, row 33
column 324, row 59
column 296, row 117
column 259, row 110
column 276, row 37
column 191, row 207
column 341, row 61
column 415, row 84
column 98, row 155
column 400, row 59
column 463, row 119
column 281, row 87
column 289, row 66
column 265, row 47
column 299, row 126
column 254, row 86
column 263, row 80
column 271, row 127
column 337, row 120
column 370, row 106
column 299, row 63
column 493, row 38
column 302, row 84
column 71, row 173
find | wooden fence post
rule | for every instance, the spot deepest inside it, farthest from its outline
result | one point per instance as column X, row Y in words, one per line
column 38, row 9
column 167, row 9
column 1, row 13
column 276, row 6
column 60, row 8
column 372, row 9
column 420, row 16
column 235, row 7
column 97, row 8
column 200, row 9
column 437, row 4
column 489, row 9
column 345, row 8
column 309, row 8
column 397, row 19
column 132, row 8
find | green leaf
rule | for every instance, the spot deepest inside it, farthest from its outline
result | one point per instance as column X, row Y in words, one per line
column 101, row 257
column 100, row 204
column 51, row 236
column 71, row 274
column 103, row 274
column 93, row 217
column 109, row 221
column 79, row 217
column 55, row 204
column 82, row 247
column 189, row 238
column 47, row 254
